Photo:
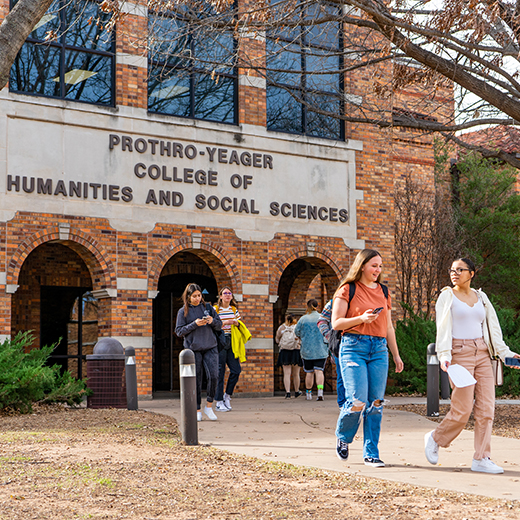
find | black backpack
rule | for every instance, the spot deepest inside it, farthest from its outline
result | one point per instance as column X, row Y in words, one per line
column 335, row 335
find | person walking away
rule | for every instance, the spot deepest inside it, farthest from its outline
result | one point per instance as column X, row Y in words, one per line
column 368, row 333
column 325, row 327
column 313, row 350
column 228, row 313
column 195, row 323
column 468, row 334
column 289, row 357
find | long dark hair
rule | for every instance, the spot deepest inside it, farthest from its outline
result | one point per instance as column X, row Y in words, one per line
column 186, row 295
column 471, row 266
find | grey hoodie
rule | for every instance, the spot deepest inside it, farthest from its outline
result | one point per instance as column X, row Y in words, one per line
column 197, row 338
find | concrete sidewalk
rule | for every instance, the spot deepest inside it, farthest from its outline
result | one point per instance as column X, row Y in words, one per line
column 302, row 432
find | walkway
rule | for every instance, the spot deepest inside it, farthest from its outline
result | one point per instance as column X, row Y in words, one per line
column 302, row 432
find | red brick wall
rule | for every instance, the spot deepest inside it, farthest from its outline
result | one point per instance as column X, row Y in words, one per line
column 108, row 254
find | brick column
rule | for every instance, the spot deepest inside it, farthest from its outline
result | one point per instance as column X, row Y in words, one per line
column 131, row 58
column 251, row 74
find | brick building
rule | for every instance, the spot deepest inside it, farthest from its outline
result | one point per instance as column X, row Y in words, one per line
column 120, row 184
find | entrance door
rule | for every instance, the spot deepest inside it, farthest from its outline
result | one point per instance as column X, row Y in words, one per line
column 167, row 345
column 69, row 320
column 303, row 279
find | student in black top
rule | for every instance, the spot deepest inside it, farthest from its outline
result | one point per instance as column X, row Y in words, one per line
column 196, row 322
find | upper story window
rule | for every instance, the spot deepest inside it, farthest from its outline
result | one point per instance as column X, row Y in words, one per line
column 69, row 55
column 304, row 82
column 192, row 69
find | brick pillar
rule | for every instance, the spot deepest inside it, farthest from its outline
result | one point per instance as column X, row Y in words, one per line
column 131, row 57
column 252, row 83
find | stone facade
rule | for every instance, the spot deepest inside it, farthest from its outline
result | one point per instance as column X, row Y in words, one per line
column 121, row 204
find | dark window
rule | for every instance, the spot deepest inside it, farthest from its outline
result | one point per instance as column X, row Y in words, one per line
column 69, row 55
column 304, row 82
column 192, row 69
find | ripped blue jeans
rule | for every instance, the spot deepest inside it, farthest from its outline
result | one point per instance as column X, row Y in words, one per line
column 364, row 368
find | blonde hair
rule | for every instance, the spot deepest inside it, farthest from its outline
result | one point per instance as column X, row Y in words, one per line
column 355, row 271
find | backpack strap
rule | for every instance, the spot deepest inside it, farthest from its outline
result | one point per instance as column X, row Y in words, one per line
column 352, row 291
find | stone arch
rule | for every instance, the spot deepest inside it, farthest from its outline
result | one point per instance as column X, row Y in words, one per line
column 304, row 253
column 223, row 268
column 100, row 267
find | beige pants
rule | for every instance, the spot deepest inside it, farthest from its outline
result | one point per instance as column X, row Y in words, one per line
column 472, row 354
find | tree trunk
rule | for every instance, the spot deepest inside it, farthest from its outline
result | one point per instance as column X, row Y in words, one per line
column 15, row 29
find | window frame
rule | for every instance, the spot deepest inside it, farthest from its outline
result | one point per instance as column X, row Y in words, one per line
column 302, row 41
column 192, row 72
column 64, row 47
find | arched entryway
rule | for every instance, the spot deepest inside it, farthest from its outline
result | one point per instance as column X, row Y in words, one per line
column 303, row 279
column 54, row 300
column 188, row 266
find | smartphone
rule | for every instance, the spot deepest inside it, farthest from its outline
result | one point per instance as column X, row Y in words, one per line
column 512, row 361
column 377, row 311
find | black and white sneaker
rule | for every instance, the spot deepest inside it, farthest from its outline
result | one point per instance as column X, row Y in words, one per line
column 375, row 463
column 342, row 450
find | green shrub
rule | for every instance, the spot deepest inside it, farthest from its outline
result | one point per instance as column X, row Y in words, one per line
column 416, row 332
column 511, row 331
column 25, row 379
column 413, row 335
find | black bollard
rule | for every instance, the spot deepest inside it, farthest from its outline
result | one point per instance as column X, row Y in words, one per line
column 187, row 373
column 131, row 379
column 432, row 382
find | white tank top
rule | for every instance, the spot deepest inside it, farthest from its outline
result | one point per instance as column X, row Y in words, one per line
column 467, row 321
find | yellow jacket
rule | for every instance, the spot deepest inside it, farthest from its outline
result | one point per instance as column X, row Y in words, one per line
column 239, row 337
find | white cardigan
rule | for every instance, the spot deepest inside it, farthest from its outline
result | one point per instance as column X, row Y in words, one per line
column 444, row 327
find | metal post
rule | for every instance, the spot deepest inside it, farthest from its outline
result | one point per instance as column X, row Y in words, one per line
column 187, row 373
column 131, row 379
column 432, row 382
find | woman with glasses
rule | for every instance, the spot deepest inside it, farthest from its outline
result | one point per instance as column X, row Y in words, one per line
column 227, row 311
column 468, row 334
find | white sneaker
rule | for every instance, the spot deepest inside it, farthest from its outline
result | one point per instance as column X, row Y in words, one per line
column 486, row 466
column 210, row 413
column 199, row 416
column 227, row 401
column 431, row 448
column 308, row 396
column 221, row 406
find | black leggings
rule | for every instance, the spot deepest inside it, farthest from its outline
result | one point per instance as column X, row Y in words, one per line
column 207, row 359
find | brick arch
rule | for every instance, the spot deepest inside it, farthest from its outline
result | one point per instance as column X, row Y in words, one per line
column 301, row 253
column 223, row 268
column 100, row 267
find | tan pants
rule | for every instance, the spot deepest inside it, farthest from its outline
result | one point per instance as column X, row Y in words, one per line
column 474, row 356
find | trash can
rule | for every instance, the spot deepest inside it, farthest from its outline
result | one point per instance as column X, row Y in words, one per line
column 106, row 375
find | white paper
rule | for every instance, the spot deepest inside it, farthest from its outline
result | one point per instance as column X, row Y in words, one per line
column 460, row 376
